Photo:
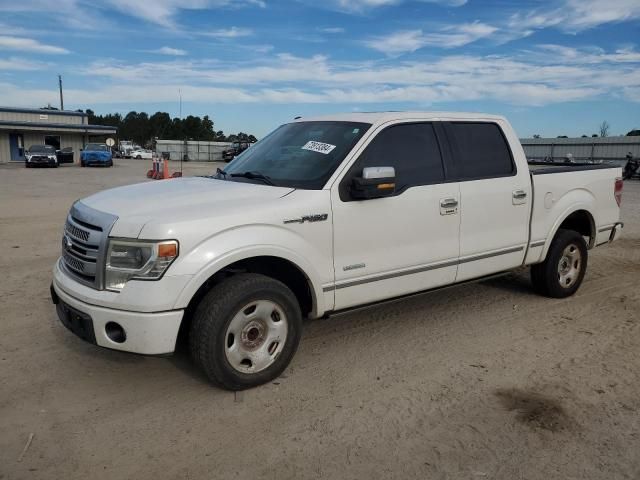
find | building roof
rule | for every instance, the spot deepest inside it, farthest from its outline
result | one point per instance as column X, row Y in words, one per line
column 42, row 111
column 581, row 140
column 64, row 127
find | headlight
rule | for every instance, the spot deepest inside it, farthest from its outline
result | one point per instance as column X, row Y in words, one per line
column 133, row 260
column 52, row 157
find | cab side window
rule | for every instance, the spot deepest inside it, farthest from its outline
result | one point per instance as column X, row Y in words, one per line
column 411, row 149
column 479, row 150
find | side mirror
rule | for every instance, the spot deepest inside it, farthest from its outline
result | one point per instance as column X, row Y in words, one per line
column 82, row 149
column 376, row 182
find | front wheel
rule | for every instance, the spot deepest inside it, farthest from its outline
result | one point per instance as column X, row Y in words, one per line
column 245, row 331
column 562, row 272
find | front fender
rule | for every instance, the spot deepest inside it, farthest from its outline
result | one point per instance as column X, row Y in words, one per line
column 233, row 245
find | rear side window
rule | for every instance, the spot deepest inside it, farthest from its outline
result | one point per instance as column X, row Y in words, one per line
column 411, row 149
column 479, row 150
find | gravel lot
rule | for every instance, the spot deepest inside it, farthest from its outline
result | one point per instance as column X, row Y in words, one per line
column 479, row 381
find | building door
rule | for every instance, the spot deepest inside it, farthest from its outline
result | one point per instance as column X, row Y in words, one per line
column 16, row 146
column 53, row 141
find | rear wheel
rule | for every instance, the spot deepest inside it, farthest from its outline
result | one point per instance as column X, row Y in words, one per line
column 562, row 272
column 245, row 331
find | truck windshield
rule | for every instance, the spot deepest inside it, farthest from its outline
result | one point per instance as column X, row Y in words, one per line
column 299, row 155
column 42, row 149
column 96, row 147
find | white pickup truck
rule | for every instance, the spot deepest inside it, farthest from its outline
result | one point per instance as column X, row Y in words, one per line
column 323, row 215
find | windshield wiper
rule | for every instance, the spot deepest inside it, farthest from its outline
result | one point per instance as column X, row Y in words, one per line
column 254, row 175
column 221, row 172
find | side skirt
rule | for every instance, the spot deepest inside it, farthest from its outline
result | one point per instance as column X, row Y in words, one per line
column 335, row 313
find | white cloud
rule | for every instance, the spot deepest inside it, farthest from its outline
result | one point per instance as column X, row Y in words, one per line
column 233, row 32
column 398, row 42
column 19, row 64
column 528, row 78
column 87, row 15
column 332, row 30
column 577, row 15
column 169, row 51
column 365, row 5
column 448, row 37
column 29, row 45
column 588, row 55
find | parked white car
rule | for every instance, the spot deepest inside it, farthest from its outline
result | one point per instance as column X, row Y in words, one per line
column 142, row 154
column 323, row 215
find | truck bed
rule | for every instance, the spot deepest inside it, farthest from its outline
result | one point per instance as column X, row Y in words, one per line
column 543, row 168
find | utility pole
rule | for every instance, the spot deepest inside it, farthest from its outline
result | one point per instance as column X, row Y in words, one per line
column 61, row 99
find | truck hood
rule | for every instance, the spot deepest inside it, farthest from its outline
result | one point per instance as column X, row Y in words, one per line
column 177, row 199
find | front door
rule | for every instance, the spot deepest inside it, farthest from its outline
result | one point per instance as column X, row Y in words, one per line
column 387, row 247
column 16, row 146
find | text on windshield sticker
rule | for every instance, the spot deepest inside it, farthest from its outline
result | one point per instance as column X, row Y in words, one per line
column 319, row 147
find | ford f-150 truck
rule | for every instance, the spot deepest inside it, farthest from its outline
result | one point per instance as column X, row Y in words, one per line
column 323, row 215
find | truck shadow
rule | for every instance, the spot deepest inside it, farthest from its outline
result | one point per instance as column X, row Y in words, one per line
column 516, row 282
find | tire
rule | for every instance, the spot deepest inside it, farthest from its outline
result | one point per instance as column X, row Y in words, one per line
column 139, row 157
column 562, row 272
column 82, row 164
column 226, row 332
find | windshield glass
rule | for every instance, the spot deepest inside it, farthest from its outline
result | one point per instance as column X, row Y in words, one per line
column 42, row 149
column 96, row 147
column 299, row 155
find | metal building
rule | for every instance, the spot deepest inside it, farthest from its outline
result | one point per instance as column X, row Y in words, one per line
column 22, row 127
column 582, row 149
column 197, row 151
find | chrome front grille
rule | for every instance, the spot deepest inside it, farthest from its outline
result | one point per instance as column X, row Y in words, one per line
column 76, row 232
column 84, row 244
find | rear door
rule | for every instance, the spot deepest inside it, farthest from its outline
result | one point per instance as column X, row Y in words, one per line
column 386, row 247
column 494, row 198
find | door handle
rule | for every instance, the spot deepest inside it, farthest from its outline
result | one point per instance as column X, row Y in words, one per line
column 449, row 203
column 448, row 206
column 519, row 194
column 519, row 197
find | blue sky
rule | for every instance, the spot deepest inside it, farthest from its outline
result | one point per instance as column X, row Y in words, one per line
column 553, row 68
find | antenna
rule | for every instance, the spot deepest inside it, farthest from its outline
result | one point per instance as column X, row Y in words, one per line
column 180, row 95
column 60, row 85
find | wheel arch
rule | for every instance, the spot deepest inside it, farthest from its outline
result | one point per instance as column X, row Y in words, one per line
column 578, row 218
column 291, row 271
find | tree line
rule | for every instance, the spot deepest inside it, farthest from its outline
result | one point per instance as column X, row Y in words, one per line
column 604, row 128
column 143, row 129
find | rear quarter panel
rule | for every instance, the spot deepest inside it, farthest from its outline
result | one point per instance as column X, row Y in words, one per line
column 558, row 195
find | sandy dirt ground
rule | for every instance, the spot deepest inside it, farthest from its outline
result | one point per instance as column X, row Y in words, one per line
column 475, row 382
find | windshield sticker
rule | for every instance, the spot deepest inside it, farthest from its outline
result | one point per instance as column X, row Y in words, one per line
column 319, row 147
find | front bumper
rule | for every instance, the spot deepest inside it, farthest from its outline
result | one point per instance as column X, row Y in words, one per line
column 145, row 333
column 97, row 163
column 49, row 162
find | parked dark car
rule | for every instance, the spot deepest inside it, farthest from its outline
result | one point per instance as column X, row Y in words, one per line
column 65, row 155
column 97, row 154
column 236, row 149
column 40, row 156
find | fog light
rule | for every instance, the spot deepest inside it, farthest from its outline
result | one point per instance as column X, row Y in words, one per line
column 115, row 332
